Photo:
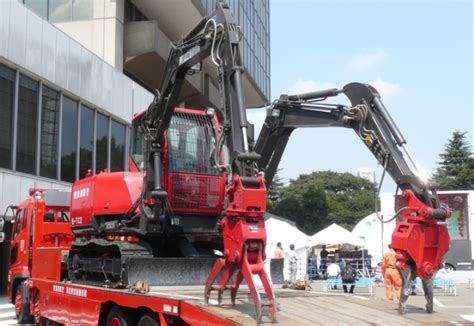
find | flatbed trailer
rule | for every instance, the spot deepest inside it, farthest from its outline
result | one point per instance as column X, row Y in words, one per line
column 76, row 304
column 295, row 307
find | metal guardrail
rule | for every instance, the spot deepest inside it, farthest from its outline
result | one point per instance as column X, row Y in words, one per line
column 363, row 282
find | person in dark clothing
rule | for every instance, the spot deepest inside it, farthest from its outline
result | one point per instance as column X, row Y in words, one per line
column 323, row 260
column 348, row 276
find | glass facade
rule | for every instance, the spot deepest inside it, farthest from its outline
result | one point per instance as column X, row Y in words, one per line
column 26, row 125
column 86, row 142
column 53, row 129
column 117, row 146
column 254, row 19
column 101, row 142
column 82, row 9
column 132, row 14
column 49, row 132
column 69, row 140
column 7, row 87
column 38, row 6
column 57, row 11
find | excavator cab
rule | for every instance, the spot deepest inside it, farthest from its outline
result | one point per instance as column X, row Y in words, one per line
column 191, row 179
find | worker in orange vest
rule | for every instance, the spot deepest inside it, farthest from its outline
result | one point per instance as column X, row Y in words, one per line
column 391, row 274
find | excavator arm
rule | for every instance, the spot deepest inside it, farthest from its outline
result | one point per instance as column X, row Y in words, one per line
column 216, row 36
column 420, row 238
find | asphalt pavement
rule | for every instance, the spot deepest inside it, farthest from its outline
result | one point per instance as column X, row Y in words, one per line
column 7, row 313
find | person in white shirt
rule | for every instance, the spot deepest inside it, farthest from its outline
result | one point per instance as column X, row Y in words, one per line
column 292, row 262
column 333, row 272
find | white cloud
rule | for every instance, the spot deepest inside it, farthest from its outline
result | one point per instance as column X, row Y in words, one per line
column 365, row 61
column 305, row 86
column 257, row 117
column 385, row 88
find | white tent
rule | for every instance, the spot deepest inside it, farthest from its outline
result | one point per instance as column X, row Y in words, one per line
column 375, row 235
column 286, row 232
column 336, row 235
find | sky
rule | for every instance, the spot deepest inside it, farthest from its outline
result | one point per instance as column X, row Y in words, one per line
column 417, row 54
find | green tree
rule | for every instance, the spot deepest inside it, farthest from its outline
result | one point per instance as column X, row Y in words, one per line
column 307, row 206
column 456, row 168
column 274, row 192
column 316, row 200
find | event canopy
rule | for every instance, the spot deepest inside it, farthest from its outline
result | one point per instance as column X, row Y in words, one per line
column 336, row 235
column 286, row 232
column 279, row 230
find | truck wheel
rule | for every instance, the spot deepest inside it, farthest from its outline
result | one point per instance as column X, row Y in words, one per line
column 149, row 320
column 117, row 317
column 36, row 310
column 21, row 308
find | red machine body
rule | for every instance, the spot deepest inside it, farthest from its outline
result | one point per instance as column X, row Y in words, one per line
column 191, row 190
column 106, row 195
column 419, row 234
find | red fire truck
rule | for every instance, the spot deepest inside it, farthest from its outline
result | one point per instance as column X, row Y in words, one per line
column 40, row 244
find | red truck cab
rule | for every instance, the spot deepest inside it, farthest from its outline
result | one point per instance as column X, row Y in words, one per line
column 41, row 222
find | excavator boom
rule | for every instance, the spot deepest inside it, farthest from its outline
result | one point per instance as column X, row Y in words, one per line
column 420, row 238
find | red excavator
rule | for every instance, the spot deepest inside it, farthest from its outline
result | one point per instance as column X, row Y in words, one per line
column 200, row 191
column 421, row 237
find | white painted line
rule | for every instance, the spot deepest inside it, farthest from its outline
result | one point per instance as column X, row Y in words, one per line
column 9, row 322
column 211, row 301
column 439, row 304
column 468, row 317
column 361, row 298
column 319, row 292
column 6, row 306
column 177, row 295
column 7, row 315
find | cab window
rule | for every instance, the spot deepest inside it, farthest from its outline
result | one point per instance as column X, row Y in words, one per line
column 18, row 221
column 24, row 218
column 63, row 216
column 56, row 216
column 49, row 216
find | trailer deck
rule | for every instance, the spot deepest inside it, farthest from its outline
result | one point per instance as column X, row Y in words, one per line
column 320, row 308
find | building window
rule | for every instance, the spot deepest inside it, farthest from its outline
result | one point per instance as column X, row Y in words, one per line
column 132, row 14
column 117, row 147
column 7, row 86
column 102, row 142
column 59, row 11
column 38, row 6
column 26, row 126
column 82, row 10
column 87, row 141
column 49, row 133
column 69, row 140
